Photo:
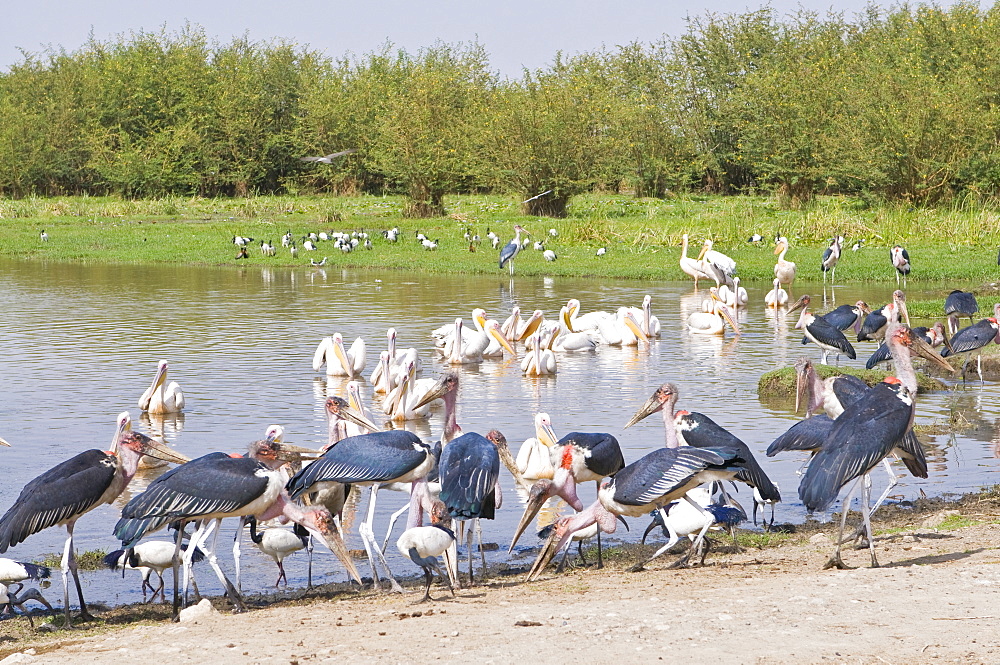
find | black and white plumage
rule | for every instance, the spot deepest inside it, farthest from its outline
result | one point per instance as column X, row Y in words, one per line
column 846, row 316
column 900, row 261
column 278, row 543
column 512, row 249
column 830, row 258
column 214, row 487
column 424, row 544
column 933, row 336
column 69, row 490
column 577, row 457
column 396, row 456
column 825, row 335
column 152, row 556
column 680, row 519
column 961, row 303
column 18, row 571
column 648, row 484
column 972, row 339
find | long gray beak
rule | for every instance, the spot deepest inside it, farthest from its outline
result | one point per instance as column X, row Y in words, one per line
column 439, row 390
column 925, row 350
column 651, row 406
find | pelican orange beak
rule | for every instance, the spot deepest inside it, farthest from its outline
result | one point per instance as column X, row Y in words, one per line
column 539, row 494
column 531, row 325
column 567, row 318
column 651, row 406
column 545, row 434
column 926, row 351
column 780, row 246
column 632, row 324
column 704, row 250
column 341, row 353
column 728, row 316
column 493, row 330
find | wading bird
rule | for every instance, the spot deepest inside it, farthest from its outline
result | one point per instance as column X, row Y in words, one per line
column 959, row 303
column 278, row 543
column 776, row 297
column 695, row 268
column 424, row 544
column 972, row 339
column 720, row 264
column 512, row 249
column 152, row 556
column 67, row 491
column 216, row 486
column 162, row 397
column 825, row 335
column 830, row 258
column 901, row 262
column 784, row 270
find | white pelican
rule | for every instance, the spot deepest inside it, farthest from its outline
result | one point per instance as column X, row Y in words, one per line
column 383, row 379
column 462, row 351
column 512, row 324
column 575, row 322
column 695, row 268
column 159, row 398
column 650, row 324
column 340, row 361
column 530, row 326
column 539, row 362
column 623, row 329
column 723, row 266
column 734, row 297
column 357, row 403
column 783, row 270
column 402, row 403
column 578, row 341
column 776, row 297
column 534, row 459
column 443, row 334
column 397, row 359
column 712, row 321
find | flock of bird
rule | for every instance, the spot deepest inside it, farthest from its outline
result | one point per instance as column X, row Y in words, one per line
column 454, row 483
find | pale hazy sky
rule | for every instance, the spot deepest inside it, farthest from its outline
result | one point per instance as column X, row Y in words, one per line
column 516, row 33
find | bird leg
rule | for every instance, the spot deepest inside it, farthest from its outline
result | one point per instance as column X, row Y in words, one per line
column 600, row 556
column 451, row 565
column 469, row 545
column 866, row 491
column 175, row 564
column 281, row 575
column 231, row 591
column 392, row 523
column 368, row 538
column 428, row 578
column 309, row 573
column 482, row 551
column 893, row 481
column 69, row 565
column 835, row 561
column 670, row 543
column 236, row 550
column 709, row 521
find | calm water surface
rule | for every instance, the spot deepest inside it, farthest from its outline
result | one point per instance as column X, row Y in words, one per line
column 82, row 342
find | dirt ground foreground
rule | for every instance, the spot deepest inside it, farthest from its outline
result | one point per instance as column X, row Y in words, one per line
column 935, row 600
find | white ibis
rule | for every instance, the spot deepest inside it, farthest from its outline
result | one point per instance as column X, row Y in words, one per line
column 831, row 255
column 683, row 519
column 214, row 487
column 784, row 269
column 724, row 266
column 424, row 544
column 900, row 261
column 395, row 456
column 278, row 543
column 549, row 255
column 340, row 361
column 69, row 490
column 825, row 335
column 865, row 433
column 43, row 236
column 576, row 458
column 601, row 251
column 162, row 397
column 972, row 339
column 152, row 556
column 643, row 486
column 512, row 249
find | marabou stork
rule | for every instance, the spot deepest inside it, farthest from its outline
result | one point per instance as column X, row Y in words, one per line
column 825, row 335
column 933, row 336
column 865, row 433
column 396, row 456
column 67, row 491
column 900, row 261
column 847, row 316
column 576, row 458
column 648, row 484
column 960, row 303
column 972, row 339
column 469, row 472
column 162, row 397
column 424, row 544
column 218, row 485
column 512, row 249
column 874, row 325
column 830, row 258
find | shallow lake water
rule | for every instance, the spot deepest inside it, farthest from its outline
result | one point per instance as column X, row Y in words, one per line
column 82, row 342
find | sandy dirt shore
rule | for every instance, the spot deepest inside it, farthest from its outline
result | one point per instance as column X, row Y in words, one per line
column 935, row 599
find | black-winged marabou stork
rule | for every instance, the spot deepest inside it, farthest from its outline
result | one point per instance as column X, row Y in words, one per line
column 960, row 303
column 874, row 325
column 648, row 484
column 900, row 261
column 973, row 338
column 512, row 249
column 865, row 433
column 218, row 485
column 825, row 335
column 830, row 258
column 69, row 490
column 576, row 458
column 396, row 456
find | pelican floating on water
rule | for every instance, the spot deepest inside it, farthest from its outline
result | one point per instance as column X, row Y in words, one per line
column 712, row 320
column 776, row 297
column 340, row 361
column 162, row 397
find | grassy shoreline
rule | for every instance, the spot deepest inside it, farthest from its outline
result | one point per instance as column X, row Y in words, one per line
column 642, row 236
